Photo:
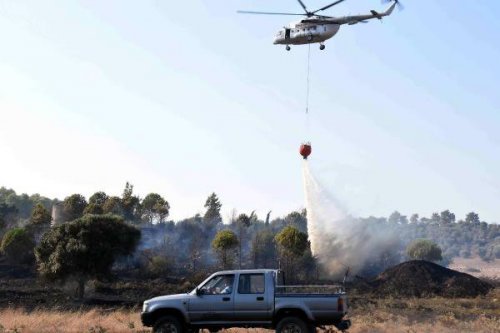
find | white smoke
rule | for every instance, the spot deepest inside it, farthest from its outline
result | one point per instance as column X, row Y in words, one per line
column 337, row 239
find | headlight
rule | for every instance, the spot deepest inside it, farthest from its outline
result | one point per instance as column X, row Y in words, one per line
column 145, row 306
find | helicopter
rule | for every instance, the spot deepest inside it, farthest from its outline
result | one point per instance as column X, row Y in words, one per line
column 319, row 28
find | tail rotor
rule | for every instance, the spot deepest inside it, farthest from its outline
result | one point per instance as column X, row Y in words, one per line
column 398, row 4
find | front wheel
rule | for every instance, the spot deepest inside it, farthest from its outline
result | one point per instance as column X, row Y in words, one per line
column 292, row 325
column 168, row 324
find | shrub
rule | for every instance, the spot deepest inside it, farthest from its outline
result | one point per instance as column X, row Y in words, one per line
column 424, row 249
column 17, row 246
column 159, row 266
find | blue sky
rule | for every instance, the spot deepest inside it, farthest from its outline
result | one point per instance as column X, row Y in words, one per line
column 187, row 98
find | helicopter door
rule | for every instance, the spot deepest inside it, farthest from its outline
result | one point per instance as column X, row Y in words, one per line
column 287, row 34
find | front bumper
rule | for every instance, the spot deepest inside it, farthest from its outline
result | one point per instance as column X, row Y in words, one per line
column 147, row 319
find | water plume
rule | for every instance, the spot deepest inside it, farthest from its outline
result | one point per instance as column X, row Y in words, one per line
column 337, row 239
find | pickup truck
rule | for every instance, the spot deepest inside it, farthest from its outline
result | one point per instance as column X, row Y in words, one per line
column 248, row 298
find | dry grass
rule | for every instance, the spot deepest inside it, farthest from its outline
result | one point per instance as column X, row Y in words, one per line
column 481, row 314
column 93, row 321
column 444, row 315
column 477, row 267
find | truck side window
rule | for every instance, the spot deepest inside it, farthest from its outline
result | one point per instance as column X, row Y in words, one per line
column 218, row 285
column 251, row 284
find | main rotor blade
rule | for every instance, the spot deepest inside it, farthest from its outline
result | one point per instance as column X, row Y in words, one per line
column 267, row 13
column 303, row 6
column 330, row 5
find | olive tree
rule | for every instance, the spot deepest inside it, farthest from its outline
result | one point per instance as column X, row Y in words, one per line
column 84, row 249
column 424, row 249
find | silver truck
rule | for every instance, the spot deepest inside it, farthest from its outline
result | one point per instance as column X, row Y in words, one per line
column 248, row 298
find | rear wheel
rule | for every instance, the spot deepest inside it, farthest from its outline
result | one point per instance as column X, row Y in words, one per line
column 292, row 325
column 168, row 324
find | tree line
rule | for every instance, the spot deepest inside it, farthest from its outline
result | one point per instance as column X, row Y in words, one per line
column 149, row 244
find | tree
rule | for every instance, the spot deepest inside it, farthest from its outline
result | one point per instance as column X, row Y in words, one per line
column 98, row 198
column 292, row 245
column 414, row 218
column 40, row 215
column 242, row 222
column 292, row 241
column 224, row 244
column 96, row 203
column 264, row 250
column 424, row 249
column 17, row 246
column 297, row 220
column 435, row 218
column 113, row 205
column 93, row 208
column 130, row 204
column 85, row 248
column 8, row 215
column 73, row 207
column 447, row 217
column 39, row 221
column 212, row 216
column 154, row 207
column 397, row 218
column 472, row 218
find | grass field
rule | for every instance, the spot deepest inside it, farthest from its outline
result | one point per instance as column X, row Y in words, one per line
column 481, row 314
column 477, row 267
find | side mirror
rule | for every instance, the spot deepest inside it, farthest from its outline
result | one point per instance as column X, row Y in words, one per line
column 198, row 292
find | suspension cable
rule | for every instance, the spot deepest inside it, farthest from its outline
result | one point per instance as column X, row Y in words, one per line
column 308, row 71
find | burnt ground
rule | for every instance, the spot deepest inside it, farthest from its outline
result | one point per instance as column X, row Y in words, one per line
column 20, row 287
column 420, row 278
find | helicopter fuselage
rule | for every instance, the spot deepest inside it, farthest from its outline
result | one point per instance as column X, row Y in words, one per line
column 306, row 33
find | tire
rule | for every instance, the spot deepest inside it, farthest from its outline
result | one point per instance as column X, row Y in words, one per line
column 168, row 324
column 292, row 325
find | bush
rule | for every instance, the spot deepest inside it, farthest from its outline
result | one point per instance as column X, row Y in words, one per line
column 159, row 266
column 17, row 246
column 424, row 249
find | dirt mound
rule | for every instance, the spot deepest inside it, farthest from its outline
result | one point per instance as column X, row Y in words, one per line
column 420, row 278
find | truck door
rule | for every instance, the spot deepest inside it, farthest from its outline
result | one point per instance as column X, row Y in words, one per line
column 252, row 302
column 214, row 301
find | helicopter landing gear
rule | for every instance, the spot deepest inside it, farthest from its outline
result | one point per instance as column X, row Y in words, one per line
column 321, row 46
column 287, row 48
